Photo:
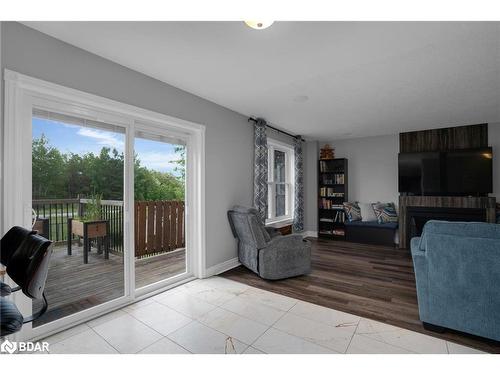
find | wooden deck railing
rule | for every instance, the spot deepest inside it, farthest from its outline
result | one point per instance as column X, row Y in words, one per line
column 159, row 225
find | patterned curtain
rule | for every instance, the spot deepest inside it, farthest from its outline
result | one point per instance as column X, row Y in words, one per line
column 298, row 214
column 260, row 169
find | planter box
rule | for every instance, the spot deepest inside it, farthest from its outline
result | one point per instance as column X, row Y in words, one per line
column 98, row 229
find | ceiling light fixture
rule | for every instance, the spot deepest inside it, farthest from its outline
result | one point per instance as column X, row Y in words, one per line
column 259, row 25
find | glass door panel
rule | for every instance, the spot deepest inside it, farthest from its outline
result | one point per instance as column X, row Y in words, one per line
column 77, row 201
column 159, row 208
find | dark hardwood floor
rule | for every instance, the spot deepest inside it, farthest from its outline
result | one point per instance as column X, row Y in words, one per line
column 375, row 282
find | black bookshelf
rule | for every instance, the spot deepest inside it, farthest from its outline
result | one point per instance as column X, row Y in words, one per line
column 332, row 193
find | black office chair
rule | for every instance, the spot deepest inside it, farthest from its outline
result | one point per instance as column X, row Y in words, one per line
column 27, row 265
column 9, row 243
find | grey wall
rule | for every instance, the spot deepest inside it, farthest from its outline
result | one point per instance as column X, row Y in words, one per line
column 373, row 167
column 229, row 137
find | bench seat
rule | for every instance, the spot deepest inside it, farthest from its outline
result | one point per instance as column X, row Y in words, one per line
column 371, row 232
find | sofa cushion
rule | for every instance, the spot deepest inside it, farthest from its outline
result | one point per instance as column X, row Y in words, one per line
column 385, row 212
column 352, row 211
column 367, row 213
column 462, row 229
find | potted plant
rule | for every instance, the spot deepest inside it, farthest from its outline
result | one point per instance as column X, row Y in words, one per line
column 90, row 226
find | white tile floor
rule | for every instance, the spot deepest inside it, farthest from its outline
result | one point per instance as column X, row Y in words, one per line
column 217, row 315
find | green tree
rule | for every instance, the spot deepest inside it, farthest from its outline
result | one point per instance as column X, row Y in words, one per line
column 48, row 165
column 181, row 162
column 58, row 175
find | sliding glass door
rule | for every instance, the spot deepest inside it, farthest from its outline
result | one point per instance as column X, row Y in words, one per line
column 118, row 189
column 77, row 202
column 159, row 207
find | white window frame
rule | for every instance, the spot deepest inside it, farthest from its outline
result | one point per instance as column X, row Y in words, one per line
column 272, row 145
column 22, row 94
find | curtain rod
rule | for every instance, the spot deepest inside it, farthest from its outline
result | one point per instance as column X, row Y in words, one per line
column 277, row 130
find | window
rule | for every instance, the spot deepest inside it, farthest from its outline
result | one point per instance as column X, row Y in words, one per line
column 280, row 177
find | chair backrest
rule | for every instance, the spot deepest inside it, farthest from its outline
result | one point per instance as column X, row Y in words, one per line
column 29, row 265
column 11, row 241
column 247, row 227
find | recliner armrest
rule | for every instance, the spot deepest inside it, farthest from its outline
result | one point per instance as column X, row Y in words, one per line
column 273, row 232
column 288, row 241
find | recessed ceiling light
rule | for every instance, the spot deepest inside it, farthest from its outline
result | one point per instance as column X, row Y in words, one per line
column 259, row 25
column 301, row 98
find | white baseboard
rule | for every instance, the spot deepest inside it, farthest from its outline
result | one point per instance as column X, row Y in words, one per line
column 309, row 233
column 222, row 267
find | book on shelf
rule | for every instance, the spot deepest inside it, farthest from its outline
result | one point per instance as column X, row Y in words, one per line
column 328, row 167
column 326, row 220
column 333, row 232
column 338, row 232
column 339, row 217
column 330, row 192
column 334, row 179
column 328, row 204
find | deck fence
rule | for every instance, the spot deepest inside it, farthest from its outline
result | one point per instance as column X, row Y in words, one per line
column 159, row 225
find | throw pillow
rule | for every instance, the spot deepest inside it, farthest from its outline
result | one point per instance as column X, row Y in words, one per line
column 367, row 213
column 385, row 212
column 352, row 211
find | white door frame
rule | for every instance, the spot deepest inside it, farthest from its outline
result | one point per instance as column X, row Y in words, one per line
column 22, row 93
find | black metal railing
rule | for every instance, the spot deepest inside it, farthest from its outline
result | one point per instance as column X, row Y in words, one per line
column 53, row 214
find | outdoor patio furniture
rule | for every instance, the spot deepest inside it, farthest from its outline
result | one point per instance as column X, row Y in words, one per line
column 89, row 230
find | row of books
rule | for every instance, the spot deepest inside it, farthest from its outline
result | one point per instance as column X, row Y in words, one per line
column 334, row 232
column 339, row 218
column 328, row 204
column 330, row 192
column 336, row 178
column 326, row 167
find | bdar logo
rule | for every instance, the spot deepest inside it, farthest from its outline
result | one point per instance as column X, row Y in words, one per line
column 8, row 347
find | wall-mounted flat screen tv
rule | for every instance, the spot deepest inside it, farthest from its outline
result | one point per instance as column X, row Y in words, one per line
column 460, row 172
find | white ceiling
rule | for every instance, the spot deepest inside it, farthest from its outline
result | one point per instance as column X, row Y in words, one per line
column 359, row 78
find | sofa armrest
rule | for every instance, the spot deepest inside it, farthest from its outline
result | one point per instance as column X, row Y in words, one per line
column 420, row 267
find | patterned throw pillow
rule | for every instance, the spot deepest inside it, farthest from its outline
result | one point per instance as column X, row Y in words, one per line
column 385, row 212
column 352, row 211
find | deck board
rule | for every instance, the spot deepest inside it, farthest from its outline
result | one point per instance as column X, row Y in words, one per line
column 73, row 286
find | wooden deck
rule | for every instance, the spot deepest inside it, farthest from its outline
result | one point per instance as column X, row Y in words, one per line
column 73, row 286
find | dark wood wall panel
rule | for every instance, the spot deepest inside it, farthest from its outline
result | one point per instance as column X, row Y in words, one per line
column 445, row 139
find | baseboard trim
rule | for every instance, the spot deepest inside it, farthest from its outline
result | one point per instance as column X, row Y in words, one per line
column 222, row 267
column 309, row 233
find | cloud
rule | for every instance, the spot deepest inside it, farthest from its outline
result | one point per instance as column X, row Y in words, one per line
column 104, row 138
column 159, row 161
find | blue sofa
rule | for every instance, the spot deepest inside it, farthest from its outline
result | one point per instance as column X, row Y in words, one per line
column 457, row 270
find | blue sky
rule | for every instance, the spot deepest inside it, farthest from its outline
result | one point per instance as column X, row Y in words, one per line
column 80, row 140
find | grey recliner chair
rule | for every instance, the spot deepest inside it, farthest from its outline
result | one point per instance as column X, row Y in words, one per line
column 264, row 250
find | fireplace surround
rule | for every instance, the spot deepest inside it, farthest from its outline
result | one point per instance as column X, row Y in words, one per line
column 414, row 211
column 416, row 217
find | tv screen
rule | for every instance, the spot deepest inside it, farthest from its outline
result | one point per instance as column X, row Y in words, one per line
column 469, row 172
column 461, row 172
